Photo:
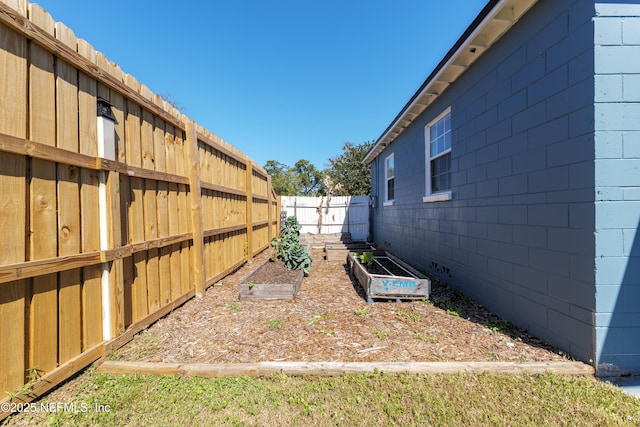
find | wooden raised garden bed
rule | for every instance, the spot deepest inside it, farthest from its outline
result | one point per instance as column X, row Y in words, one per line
column 272, row 281
column 339, row 251
column 389, row 278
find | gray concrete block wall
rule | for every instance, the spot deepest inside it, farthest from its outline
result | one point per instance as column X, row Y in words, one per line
column 617, row 185
column 518, row 234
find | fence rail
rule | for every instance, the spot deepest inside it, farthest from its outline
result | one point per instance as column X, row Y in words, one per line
column 94, row 248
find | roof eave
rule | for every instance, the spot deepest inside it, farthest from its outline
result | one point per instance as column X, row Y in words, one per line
column 495, row 19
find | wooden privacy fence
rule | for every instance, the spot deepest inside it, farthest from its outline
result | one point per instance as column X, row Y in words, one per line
column 94, row 249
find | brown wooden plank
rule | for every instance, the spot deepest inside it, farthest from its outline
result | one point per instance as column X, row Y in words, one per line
column 91, row 306
column 341, row 368
column 185, row 223
column 249, row 209
column 116, row 295
column 176, row 271
column 133, row 143
column 92, row 276
column 139, row 302
column 69, row 311
column 42, row 112
column 169, row 145
column 26, row 269
column 13, row 109
column 186, row 258
column 12, row 335
column 174, row 228
column 159, row 141
column 136, row 234
column 69, row 227
column 13, row 121
column 147, row 141
column 197, row 279
column 165, row 275
column 43, row 316
column 164, row 263
column 151, row 233
column 13, row 83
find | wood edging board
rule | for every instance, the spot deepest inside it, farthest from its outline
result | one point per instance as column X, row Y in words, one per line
column 340, row 368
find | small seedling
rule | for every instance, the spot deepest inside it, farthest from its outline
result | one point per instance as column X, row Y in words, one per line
column 381, row 334
column 274, row 323
column 250, row 285
column 361, row 312
column 497, row 325
column 316, row 319
column 411, row 315
column 422, row 337
column 327, row 332
column 235, row 308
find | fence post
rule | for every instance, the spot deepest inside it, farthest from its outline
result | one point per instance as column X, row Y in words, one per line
column 249, row 192
column 195, row 194
column 269, row 210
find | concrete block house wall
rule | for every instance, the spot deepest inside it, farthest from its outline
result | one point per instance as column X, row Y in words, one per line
column 617, row 185
column 540, row 220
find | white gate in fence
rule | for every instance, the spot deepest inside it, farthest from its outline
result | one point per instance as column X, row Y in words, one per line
column 344, row 214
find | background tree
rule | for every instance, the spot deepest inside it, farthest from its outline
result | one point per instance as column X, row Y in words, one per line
column 310, row 178
column 348, row 170
column 283, row 178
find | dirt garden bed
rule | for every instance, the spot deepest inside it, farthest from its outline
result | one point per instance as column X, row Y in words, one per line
column 329, row 320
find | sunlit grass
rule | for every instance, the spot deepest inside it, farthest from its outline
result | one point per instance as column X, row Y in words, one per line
column 351, row 400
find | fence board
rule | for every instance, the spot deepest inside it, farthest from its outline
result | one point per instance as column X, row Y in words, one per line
column 69, row 293
column 91, row 306
column 151, row 233
column 12, row 338
column 43, row 324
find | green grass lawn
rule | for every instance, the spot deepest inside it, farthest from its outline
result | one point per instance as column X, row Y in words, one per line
column 376, row 399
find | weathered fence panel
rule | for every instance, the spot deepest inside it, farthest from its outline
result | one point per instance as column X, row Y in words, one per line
column 95, row 246
column 339, row 214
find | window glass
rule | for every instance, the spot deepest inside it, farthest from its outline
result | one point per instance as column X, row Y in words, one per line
column 439, row 159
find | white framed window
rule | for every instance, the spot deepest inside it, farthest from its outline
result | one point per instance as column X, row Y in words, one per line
column 438, row 158
column 389, row 178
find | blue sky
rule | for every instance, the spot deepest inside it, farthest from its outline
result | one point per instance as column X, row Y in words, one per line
column 280, row 80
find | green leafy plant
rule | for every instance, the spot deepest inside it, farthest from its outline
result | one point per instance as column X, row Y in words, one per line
column 287, row 247
column 33, row 375
column 365, row 258
column 298, row 258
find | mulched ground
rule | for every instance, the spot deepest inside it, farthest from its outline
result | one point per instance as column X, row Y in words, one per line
column 329, row 320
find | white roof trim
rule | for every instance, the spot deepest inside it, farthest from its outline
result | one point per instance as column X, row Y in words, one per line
column 473, row 43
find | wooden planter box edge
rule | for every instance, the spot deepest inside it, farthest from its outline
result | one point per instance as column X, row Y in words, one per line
column 269, row 291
